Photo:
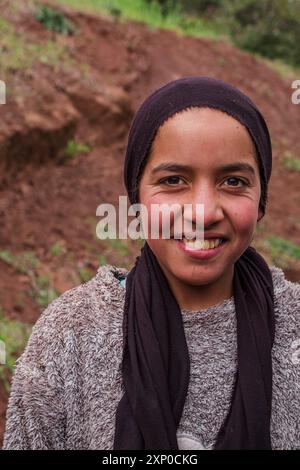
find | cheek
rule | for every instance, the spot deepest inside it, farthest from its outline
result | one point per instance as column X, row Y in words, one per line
column 161, row 247
column 243, row 217
column 151, row 203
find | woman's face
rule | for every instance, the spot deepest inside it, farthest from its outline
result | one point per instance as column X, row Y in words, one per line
column 198, row 143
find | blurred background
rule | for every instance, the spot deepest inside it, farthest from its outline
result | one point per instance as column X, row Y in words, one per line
column 75, row 73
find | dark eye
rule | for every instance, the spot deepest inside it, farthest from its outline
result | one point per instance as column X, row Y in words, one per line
column 235, row 180
column 171, row 180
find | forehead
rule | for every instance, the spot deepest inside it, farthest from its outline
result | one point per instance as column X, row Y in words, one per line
column 200, row 136
column 203, row 122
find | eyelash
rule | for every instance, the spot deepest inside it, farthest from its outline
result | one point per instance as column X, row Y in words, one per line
column 245, row 183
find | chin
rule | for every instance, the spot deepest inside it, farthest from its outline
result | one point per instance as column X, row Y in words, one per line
column 195, row 275
column 202, row 276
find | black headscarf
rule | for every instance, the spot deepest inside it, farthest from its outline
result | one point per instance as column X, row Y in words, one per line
column 155, row 366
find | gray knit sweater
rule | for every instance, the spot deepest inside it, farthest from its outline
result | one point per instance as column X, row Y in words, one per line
column 67, row 383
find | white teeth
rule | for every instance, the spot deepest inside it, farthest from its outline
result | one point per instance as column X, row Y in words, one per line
column 205, row 245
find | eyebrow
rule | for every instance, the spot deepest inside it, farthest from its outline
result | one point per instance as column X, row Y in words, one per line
column 176, row 167
column 173, row 167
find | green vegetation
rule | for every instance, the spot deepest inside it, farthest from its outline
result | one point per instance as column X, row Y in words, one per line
column 22, row 262
column 85, row 274
column 109, row 251
column 285, row 246
column 269, row 28
column 286, row 71
column 6, row 256
column 42, row 291
column 73, row 148
column 120, row 247
column 101, row 259
column 139, row 242
column 14, row 335
column 57, row 249
column 17, row 52
column 282, row 252
column 92, row 222
column 291, row 161
column 150, row 13
column 54, row 20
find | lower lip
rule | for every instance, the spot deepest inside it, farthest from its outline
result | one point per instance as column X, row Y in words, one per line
column 201, row 254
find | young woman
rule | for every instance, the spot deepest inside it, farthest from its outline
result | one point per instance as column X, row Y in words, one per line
column 197, row 347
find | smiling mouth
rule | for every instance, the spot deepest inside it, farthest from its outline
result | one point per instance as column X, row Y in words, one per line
column 195, row 244
column 202, row 245
column 201, row 250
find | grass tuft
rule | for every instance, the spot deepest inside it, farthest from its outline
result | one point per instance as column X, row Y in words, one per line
column 74, row 148
column 291, row 161
column 54, row 20
column 14, row 335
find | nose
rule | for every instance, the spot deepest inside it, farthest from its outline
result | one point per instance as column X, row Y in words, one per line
column 212, row 211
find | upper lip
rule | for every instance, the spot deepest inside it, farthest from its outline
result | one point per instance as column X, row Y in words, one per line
column 213, row 235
